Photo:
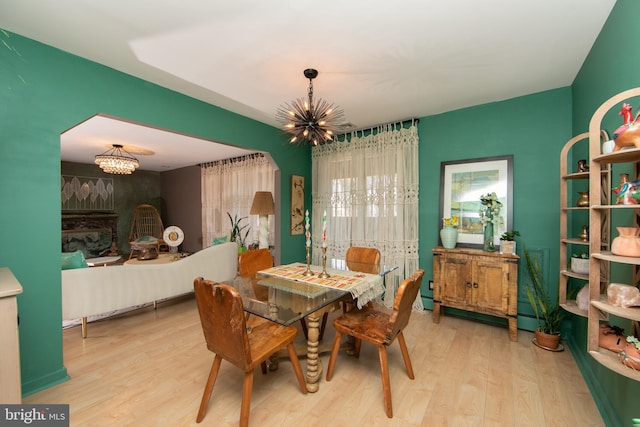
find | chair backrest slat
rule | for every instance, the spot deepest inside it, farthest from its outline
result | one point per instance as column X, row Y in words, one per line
column 223, row 321
column 250, row 262
column 364, row 260
column 402, row 304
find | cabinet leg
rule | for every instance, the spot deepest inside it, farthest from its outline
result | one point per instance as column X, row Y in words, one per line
column 513, row 328
column 436, row 312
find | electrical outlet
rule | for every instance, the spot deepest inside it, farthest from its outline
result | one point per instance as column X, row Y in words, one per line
column 430, row 285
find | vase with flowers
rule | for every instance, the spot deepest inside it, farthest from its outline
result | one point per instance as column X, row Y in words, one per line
column 449, row 232
column 490, row 218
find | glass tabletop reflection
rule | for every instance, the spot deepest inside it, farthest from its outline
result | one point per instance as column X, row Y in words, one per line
column 283, row 300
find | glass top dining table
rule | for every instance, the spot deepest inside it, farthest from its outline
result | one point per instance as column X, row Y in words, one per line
column 283, row 294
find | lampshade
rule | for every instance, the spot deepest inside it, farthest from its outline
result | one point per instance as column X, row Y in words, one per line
column 262, row 203
column 117, row 161
column 309, row 121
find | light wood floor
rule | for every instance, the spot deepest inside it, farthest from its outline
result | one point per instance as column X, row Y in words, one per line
column 149, row 368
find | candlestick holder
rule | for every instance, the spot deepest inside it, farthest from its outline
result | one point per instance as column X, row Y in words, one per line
column 308, row 272
column 324, row 273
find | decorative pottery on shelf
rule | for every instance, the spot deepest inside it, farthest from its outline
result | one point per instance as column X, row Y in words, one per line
column 628, row 193
column 449, row 236
column 627, row 243
column 583, row 166
column 583, row 200
column 584, row 235
column 627, row 135
column 630, row 355
column 580, row 265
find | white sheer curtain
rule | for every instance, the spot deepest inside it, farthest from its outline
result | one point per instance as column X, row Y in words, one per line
column 368, row 186
column 229, row 186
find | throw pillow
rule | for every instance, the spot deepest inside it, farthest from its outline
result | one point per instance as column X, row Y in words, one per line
column 219, row 240
column 72, row 260
column 149, row 239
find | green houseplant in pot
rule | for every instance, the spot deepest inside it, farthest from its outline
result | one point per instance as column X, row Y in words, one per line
column 548, row 312
column 237, row 232
column 508, row 243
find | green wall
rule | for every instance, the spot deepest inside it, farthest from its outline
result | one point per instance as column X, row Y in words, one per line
column 43, row 92
column 612, row 66
column 533, row 129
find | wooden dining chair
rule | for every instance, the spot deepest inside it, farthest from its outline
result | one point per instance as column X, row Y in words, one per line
column 243, row 344
column 357, row 258
column 249, row 263
column 381, row 329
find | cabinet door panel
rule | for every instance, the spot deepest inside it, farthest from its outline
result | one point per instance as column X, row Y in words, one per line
column 490, row 285
column 455, row 277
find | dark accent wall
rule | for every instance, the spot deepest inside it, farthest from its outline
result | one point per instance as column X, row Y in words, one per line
column 129, row 191
column 180, row 189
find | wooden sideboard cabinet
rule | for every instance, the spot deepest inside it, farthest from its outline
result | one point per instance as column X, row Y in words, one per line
column 476, row 280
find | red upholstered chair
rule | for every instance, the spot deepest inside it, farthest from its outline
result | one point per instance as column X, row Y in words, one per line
column 245, row 344
column 381, row 329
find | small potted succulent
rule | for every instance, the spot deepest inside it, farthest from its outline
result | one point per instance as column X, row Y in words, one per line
column 580, row 263
column 508, row 243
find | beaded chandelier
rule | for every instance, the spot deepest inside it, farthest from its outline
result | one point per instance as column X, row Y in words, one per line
column 117, row 161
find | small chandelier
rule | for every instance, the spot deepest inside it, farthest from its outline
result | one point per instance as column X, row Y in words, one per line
column 314, row 123
column 117, row 161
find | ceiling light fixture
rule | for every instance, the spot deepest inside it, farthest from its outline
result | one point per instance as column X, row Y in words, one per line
column 117, row 161
column 309, row 121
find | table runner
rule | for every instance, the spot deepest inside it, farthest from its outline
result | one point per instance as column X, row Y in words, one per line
column 363, row 287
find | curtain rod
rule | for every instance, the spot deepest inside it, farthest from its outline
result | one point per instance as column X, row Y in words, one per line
column 400, row 122
column 231, row 160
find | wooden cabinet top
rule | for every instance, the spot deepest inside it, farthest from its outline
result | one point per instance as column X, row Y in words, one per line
column 9, row 285
column 474, row 252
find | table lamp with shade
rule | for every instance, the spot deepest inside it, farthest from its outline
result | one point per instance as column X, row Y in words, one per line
column 263, row 206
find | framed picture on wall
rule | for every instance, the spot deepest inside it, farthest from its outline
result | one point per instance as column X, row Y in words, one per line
column 463, row 182
column 297, row 204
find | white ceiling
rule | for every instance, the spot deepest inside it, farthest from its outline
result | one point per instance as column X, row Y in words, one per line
column 380, row 61
column 156, row 149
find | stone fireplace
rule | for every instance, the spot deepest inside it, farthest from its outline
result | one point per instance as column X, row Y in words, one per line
column 92, row 233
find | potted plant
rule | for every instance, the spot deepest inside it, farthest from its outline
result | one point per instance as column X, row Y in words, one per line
column 236, row 232
column 508, row 243
column 548, row 313
column 580, row 263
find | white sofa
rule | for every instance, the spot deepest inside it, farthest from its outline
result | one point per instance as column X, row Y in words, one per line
column 97, row 290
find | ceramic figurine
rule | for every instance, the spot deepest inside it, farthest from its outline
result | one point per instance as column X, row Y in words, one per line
column 627, row 135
